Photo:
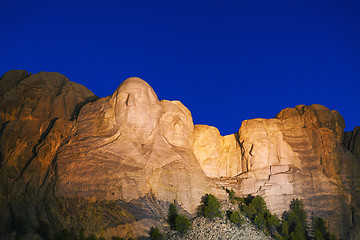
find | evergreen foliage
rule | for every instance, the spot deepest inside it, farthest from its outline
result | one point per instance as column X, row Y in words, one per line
column 240, row 200
column 231, row 193
column 259, row 204
column 235, row 217
column 285, row 229
column 299, row 233
column 256, row 210
column 155, row 234
column 210, row 206
column 293, row 225
column 260, row 221
column 319, row 229
column 173, row 213
column 318, row 235
column 248, row 199
column 272, row 222
column 249, row 211
column 296, row 219
column 182, row 223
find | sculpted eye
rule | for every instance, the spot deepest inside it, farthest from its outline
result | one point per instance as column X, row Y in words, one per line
column 122, row 97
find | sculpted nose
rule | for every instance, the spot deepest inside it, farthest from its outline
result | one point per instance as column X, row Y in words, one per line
column 130, row 100
column 178, row 124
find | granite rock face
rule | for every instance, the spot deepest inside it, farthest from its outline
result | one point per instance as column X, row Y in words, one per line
column 67, row 156
column 219, row 156
column 131, row 144
column 113, row 165
column 207, row 149
column 352, row 141
column 299, row 154
column 35, row 121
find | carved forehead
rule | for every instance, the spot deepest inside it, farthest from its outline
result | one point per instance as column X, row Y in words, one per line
column 135, row 84
column 138, row 85
column 175, row 106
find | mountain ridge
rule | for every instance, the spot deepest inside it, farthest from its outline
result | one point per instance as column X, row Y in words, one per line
column 63, row 151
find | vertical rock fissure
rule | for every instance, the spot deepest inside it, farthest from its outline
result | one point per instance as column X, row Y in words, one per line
column 1, row 132
column 52, row 165
column 34, row 149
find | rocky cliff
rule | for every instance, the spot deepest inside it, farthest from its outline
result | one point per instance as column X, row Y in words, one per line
column 130, row 144
column 113, row 165
column 352, row 141
column 299, row 154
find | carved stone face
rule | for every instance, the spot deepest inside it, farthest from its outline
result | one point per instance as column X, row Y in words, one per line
column 136, row 106
column 176, row 124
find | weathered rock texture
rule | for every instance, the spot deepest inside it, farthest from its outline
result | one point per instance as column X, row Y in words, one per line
column 299, row 154
column 352, row 141
column 113, row 165
column 218, row 156
column 130, row 144
column 307, row 161
column 35, row 121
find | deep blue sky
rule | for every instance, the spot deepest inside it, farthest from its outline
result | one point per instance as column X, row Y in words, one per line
column 226, row 61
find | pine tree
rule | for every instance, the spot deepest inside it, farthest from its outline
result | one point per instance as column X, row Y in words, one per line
column 173, row 213
column 249, row 211
column 182, row 223
column 285, row 229
column 212, row 207
column 235, row 217
column 260, row 221
column 155, row 234
column 272, row 222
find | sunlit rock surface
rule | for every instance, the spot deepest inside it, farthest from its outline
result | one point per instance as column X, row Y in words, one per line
column 219, row 156
column 299, row 154
column 35, row 118
column 129, row 145
column 113, row 165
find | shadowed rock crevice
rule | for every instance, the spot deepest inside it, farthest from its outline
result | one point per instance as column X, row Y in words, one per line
column 352, row 141
column 2, row 160
column 52, row 169
column 37, row 146
column 78, row 107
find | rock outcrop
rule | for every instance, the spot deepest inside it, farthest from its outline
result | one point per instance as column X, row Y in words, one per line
column 352, row 141
column 307, row 152
column 113, row 165
column 219, row 156
column 131, row 144
column 35, row 121
column 299, row 154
